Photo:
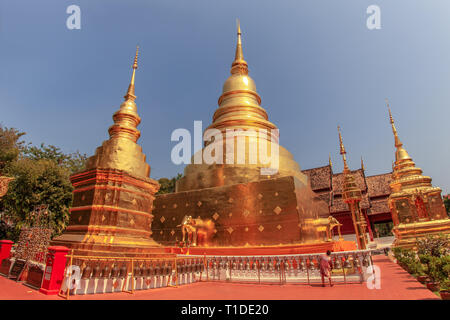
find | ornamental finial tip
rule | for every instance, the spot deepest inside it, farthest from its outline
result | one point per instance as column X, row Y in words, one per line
column 135, row 65
column 239, row 55
column 342, row 150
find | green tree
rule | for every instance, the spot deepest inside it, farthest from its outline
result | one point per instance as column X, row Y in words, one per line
column 10, row 146
column 38, row 182
column 447, row 203
column 168, row 185
column 74, row 162
column 41, row 177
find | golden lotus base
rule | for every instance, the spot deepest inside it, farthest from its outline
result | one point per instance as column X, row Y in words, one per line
column 407, row 234
column 111, row 215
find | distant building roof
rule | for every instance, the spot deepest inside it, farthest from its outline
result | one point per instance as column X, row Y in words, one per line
column 320, row 177
column 379, row 185
column 328, row 186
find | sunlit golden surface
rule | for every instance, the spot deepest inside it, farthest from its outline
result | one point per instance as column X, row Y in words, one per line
column 113, row 197
column 416, row 206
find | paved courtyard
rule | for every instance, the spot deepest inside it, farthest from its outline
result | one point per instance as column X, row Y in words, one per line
column 395, row 284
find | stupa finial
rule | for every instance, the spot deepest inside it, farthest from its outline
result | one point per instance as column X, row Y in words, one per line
column 401, row 152
column 126, row 119
column 398, row 143
column 342, row 150
column 239, row 65
column 130, row 93
column 362, row 164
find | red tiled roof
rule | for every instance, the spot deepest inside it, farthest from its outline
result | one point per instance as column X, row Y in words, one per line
column 379, row 206
column 338, row 179
column 320, row 178
column 328, row 186
column 379, row 185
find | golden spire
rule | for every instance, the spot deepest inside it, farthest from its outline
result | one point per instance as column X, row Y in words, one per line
column 401, row 152
column 239, row 65
column 126, row 119
column 362, row 164
column 329, row 160
column 240, row 104
column 342, row 151
column 398, row 143
column 121, row 150
column 351, row 194
column 130, row 93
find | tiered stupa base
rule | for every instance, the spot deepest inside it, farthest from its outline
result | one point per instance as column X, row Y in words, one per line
column 271, row 212
column 407, row 234
column 111, row 215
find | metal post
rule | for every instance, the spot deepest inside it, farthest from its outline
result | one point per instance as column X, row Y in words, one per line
column 206, row 269
column 132, row 275
column 259, row 272
column 176, row 273
column 307, row 273
column 70, row 263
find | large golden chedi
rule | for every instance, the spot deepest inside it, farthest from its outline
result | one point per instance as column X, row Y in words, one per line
column 240, row 109
column 249, row 206
column 113, row 197
column 416, row 206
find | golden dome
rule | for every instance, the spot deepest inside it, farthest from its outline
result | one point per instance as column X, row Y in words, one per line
column 401, row 154
column 239, row 82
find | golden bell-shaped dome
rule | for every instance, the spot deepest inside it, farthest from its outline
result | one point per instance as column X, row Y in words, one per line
column 239, row 82
column 240, row 111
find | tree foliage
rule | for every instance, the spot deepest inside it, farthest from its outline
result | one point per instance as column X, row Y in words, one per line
column 41, row 176
column 10, row 146
column 447, row 203
column 74, row 162
column 168, row 185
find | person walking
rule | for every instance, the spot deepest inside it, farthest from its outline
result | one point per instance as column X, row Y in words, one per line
column 325, row 267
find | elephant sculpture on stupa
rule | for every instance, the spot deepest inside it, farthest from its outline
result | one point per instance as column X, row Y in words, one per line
column 327, row 225
column 196, row 231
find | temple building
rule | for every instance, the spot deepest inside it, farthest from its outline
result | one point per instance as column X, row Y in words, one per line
column 374, row 204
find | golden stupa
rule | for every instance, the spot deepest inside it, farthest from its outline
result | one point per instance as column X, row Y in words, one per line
column 416, row 206
column 113, row 196
column 240, row 109
column 251, row 201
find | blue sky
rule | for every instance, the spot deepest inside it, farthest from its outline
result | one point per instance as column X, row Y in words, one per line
column 315, row 64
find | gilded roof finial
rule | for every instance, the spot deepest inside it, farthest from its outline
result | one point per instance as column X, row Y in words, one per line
column 130, row 93
column 362, row 164
column 398, row 143
column 401, row 152
column 329, row 160
column 126, row 119
column 239, row 54
column 239, row 65
column 342, row 151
